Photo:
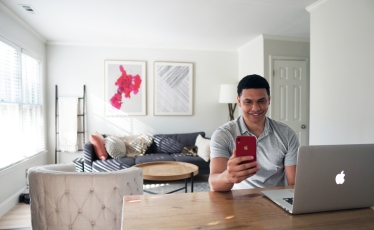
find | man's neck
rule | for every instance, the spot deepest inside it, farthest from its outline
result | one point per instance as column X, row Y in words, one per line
column 255, row 128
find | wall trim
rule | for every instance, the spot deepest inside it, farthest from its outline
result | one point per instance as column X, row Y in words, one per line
column 21, row 22
column 12, row 201
column 316, row 5
column 119, row 45
column 23, row 163
column 274, row 37
column 284, row 38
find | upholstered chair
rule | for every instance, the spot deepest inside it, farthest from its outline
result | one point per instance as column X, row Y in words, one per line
column 64, row 199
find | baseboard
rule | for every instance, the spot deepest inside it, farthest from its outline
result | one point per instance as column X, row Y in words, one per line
column 9, row 203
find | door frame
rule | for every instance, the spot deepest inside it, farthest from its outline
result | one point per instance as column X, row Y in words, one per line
column 272, row 59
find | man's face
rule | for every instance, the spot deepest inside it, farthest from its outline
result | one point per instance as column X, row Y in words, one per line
column 254, row 104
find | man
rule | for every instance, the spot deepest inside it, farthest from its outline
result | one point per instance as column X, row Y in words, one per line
column 277, row 144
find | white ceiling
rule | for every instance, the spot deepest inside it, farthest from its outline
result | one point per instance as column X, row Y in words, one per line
column 187, row 24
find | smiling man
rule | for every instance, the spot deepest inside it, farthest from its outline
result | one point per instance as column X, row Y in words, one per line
column 277, row 144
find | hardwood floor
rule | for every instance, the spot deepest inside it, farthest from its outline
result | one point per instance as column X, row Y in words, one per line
column 18, row 217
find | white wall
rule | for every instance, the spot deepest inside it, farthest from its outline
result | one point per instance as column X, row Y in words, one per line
column 70, row 67
column 13, row 180
column 251, row 58
column 342, row 82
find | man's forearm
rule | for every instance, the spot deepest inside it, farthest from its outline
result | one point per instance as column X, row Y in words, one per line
column 219, row 183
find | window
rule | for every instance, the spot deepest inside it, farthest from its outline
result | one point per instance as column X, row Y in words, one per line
column 21, row 107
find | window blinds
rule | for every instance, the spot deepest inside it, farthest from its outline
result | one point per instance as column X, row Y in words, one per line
column 10, row 73
column 21, row 107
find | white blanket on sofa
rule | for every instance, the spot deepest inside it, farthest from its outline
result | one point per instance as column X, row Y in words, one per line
column 68, row 123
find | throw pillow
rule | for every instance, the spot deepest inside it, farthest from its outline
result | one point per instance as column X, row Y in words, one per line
column 136, row 145
column 203, row 147
column 115, row 147
column 190, row 150
column 97, row 141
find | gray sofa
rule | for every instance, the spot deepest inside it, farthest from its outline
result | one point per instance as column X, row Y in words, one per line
column 164, row 147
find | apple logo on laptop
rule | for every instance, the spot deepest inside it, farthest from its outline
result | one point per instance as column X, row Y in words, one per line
column 339, row 179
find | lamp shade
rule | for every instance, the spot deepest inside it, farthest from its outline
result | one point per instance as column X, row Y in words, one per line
column 227, row 93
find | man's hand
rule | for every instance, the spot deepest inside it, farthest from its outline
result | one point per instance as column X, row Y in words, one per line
column 225, row 172
column 237, row 172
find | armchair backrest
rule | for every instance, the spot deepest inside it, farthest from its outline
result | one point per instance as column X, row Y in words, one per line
column 61, row 198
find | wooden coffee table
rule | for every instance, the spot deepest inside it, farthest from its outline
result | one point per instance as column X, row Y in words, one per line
column 169, row 171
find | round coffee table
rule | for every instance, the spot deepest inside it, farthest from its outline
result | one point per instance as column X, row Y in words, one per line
column 169, row 171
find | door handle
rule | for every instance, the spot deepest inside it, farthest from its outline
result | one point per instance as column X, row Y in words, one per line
column 303, row 126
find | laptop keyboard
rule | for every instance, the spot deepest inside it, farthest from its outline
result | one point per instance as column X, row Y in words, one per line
column 289, row 200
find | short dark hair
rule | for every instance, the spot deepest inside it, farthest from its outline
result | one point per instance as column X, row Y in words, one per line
column 253, row 81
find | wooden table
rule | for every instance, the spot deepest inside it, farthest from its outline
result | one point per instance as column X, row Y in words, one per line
column 238, row 209
column 169, row 171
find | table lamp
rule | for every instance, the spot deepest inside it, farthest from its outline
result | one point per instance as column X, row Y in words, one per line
column 228, row 95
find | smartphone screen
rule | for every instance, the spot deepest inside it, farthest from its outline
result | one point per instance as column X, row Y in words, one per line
column 246, row 146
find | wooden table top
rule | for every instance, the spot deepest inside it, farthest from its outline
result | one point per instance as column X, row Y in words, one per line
column 167, row 170
column 237, row 209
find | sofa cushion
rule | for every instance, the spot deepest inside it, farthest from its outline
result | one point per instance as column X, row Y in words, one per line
column 153, row 157
column 113, row 164
column 126, row 162
column 190, row 159
column 173, row 143
column 169, row 145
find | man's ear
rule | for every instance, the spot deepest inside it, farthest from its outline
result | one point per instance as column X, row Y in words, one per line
column 269, row 99
column 238, row 99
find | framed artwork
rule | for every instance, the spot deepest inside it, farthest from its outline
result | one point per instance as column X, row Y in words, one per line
column 173, row 88
column 125, row 88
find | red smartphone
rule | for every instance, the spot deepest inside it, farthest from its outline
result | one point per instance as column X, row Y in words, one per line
column 246, row 146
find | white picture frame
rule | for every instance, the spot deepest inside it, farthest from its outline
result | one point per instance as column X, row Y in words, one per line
column 125, row 88
column 173, row 88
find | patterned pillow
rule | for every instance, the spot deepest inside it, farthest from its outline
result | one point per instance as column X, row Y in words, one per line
column 115, row 147
column 136, row 145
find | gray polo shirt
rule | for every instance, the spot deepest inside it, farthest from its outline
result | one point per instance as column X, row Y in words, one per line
column 276, row 147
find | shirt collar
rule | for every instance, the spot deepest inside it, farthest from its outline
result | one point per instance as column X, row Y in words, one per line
column 267, row 128
column 244, row 129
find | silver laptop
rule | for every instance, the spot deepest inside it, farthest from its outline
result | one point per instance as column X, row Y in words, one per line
column 329, row 177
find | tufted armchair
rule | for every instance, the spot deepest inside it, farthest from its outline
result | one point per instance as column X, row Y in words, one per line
column 64, row 199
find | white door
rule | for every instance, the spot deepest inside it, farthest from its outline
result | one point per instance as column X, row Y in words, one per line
column 290, row 96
